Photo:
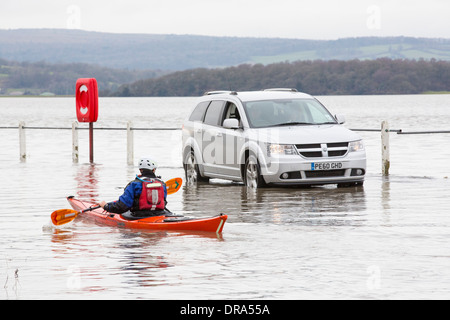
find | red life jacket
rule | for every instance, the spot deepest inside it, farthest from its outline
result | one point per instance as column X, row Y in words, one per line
column 152, row 195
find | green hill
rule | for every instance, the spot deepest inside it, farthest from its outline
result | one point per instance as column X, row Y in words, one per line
column 182, row 52
column 37, row 61
column 369, row 49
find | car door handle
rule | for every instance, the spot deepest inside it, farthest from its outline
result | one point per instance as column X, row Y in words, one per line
column 218, row 134
column 198, row 131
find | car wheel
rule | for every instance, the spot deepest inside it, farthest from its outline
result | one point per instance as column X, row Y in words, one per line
column 191, row 170
column 253, row 177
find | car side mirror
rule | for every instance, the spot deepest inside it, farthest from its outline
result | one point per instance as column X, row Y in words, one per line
column 340, row 118
column 231, row 124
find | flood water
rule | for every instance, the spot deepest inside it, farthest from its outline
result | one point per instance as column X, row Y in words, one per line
column 386, row 240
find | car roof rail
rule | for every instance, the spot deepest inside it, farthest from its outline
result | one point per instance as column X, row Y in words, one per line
column 208, row 93
column 282, row 89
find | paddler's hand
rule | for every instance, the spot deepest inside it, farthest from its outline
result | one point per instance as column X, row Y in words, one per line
column 102, row 204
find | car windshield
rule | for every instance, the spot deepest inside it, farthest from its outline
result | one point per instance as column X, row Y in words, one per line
column 272, row 113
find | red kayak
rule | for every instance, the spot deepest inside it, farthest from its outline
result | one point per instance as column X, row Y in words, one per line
column 165, row 222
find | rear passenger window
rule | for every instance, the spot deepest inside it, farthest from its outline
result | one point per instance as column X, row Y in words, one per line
column 199, row 111
column 214, row 113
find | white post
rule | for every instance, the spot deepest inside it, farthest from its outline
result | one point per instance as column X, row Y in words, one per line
column 385, row 158
column 130, row 147
column 75, row 154
column 22, row 142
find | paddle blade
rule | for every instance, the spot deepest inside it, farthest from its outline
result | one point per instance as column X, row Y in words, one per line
column 173, row 185
column 63, row 216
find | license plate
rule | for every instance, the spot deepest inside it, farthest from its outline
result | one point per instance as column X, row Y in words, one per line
column 326, row 165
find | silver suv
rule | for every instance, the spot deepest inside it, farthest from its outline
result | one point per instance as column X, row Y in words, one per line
column 270, row 137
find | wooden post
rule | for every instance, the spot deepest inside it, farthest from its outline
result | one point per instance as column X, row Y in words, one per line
column 75, row 155
column 22, row 142
column 385, row 157
column 130, row 147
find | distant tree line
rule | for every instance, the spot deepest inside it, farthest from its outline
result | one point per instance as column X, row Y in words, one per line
column 60, row 79
column 353, row 77
column 318, row 77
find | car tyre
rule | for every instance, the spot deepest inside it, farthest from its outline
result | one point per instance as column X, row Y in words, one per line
column 252, row 173
column 191, row 170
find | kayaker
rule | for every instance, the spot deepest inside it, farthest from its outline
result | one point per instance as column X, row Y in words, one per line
column 144, row 196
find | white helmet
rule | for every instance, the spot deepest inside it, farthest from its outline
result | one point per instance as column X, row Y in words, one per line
column 147, row 163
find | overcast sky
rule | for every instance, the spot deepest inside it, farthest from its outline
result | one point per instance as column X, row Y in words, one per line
column 313, row 19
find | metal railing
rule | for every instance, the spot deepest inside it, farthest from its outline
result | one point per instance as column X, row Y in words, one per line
column 384, row 130
column 400, row 131
column 75, row 149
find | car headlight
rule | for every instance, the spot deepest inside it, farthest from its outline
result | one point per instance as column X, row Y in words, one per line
column 279, row 149
column 356, row 146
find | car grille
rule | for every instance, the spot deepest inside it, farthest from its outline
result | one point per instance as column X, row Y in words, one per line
column 325, row 174
column 322, row 150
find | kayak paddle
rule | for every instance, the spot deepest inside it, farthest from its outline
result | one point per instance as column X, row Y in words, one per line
column 173, row 185
column 64, row 216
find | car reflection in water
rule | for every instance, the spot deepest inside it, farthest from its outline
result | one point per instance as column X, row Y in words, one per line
column 326, row 205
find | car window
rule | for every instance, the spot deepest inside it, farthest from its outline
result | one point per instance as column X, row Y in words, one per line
column 270, row 113
column 261, row 113
column 231, row 112
column 317, row 114
column 214, row 113
column 199, row 111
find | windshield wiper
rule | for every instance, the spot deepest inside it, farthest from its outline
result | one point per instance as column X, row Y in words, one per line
column 328, row 122
column 293, row 123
